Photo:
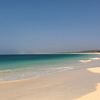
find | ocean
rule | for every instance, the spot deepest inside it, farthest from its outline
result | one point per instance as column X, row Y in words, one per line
column 15, row 67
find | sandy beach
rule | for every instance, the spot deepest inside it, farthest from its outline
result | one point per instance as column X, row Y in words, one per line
column 83, row 84
column 50, row 50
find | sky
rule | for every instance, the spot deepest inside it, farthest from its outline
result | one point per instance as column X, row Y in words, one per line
column 48, row 26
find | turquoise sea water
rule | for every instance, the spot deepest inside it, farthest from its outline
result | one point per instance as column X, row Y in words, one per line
column 14, row 67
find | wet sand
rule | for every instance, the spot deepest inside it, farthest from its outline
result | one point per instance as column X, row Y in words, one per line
column 83, row 84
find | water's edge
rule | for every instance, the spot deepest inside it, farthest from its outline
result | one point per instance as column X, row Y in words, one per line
column 14, row 67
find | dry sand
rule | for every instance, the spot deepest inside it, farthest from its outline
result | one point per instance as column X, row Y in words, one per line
column 81, row 84
column 95, row 95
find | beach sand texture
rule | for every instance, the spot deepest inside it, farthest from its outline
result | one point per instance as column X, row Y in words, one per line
column 83, row 84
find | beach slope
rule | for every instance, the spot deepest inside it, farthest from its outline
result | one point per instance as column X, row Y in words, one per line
column 83, row 84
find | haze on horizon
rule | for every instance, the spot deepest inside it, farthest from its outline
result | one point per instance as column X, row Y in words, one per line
column 41, row 26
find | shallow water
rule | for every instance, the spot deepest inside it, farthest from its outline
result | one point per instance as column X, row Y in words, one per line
column 13, row 67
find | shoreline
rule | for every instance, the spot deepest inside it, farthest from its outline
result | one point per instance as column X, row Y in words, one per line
column 75, row 84
column 84, row 61
column 70, row 85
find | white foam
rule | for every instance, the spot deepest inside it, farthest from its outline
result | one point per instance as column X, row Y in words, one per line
column 85, row 61
column 8, row 70
column 95, row 58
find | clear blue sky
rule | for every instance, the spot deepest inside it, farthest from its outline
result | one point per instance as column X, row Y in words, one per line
column 49, row 25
